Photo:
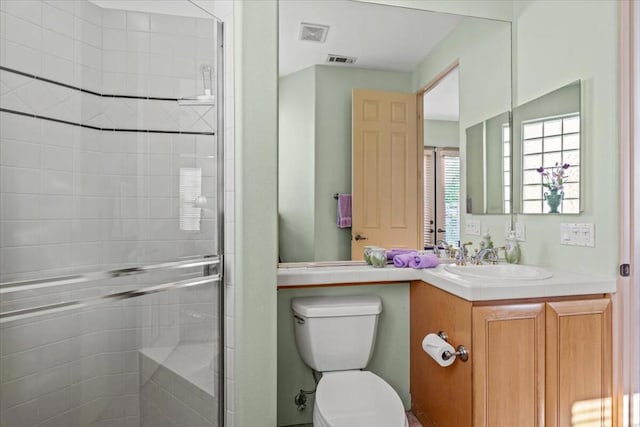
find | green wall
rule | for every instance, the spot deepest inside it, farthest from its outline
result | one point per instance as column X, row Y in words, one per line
column 390, row 359
column 441, row 133
column 333, row 147
column 316, row 165
column 482, row 49
column 580, row 39
column 296, row 165
column 254, row 276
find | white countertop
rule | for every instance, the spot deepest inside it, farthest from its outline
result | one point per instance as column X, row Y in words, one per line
column 562, row 283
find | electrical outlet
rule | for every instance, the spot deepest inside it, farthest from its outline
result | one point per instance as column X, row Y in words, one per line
column 472, row 227
column 520, row 235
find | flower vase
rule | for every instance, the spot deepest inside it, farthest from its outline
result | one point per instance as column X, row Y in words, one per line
column 553, row 198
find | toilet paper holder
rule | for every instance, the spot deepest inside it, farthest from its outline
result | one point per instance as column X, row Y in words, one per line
column 461, row 352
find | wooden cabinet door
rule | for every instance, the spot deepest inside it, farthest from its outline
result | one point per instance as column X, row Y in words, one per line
column 579, row 370
column 508, row 365
column 386, row 169
column 439, row 396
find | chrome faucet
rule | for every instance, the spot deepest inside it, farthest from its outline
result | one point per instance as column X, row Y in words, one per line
column 445, row 246
column 490, row 253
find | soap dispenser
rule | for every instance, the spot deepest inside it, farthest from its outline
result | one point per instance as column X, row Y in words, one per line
column 512, row 248
column 486, row 242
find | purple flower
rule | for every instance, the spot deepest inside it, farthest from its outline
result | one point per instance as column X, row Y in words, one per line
column 540, row 169
column 566, row 166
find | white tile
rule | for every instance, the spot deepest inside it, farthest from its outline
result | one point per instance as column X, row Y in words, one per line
column 30, row 10
column 52, row 232
column 18, row 260
column 88, row 33
column 56, row 182
column 137, row 41
column 114, row 39
column 19, row 154
column 19, row 180
column 58, row 69
column 206, row 28
column 137, row 21
column 116, row 19
column 58, row 44
column 19, row 206
column 55, row 207
column 19, row 233
column 64, row 5
column 55, row 158
column 114, row 61
column 57, row 20
column 89, row 12
column 23, row 32
column 173, row 25
column 56, row 134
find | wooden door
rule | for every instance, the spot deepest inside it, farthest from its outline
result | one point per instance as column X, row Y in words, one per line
column 579, row 363
column 439, row 396
column 386, row 168
column 509, row 365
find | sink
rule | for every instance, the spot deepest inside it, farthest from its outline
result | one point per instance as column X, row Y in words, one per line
column 500, row 272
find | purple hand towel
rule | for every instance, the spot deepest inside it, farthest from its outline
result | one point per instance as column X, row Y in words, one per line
column 424, row 261
column 398, row 251
column 344, row 210
column 403, row 260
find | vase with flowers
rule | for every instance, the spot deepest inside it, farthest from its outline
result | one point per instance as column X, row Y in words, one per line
column 554, row 179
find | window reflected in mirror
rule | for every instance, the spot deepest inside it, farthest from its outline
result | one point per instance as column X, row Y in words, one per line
column 548, row 144
column 548, row 153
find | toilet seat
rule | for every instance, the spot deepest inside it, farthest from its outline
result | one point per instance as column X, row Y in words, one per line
column 357, row 399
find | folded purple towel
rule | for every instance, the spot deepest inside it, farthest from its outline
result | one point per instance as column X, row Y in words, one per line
column 344, row 210
column 403, row 260
column 397, row 251
column 424, row 261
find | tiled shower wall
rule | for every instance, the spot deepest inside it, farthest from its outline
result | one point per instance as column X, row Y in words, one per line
column 85, row 198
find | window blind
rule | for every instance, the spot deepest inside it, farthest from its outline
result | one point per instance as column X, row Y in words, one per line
column 450, row 188
column 428, row 197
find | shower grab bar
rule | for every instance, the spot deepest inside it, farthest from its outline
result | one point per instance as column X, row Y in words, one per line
column 27, row 313
column 24, row 285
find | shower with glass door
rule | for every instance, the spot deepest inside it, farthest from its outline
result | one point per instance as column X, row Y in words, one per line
column 111, row 214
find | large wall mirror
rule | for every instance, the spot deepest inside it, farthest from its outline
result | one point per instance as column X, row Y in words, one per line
column 374, row 102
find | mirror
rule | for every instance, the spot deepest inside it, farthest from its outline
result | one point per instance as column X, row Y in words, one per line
column 547, row 153
column 322, row 64
column 489, row 166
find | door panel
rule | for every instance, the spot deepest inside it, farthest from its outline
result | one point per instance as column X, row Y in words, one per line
column 386, row 176
column 579, row 363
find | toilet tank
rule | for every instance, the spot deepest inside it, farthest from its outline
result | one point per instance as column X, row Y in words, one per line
column 336, row 333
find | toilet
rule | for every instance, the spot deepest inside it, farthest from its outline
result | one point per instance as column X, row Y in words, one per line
column 336, row 336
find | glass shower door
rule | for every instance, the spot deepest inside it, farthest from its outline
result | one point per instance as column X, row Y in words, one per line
column 110, row 215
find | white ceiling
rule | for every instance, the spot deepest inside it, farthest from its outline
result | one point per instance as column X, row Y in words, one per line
column 381, row 37
column 165, row 7
column 442, row 101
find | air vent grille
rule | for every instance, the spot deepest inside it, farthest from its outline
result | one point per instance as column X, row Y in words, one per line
column 313, row 32
column 340, row 59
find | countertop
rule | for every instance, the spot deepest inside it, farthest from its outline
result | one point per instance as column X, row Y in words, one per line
column 562, row 283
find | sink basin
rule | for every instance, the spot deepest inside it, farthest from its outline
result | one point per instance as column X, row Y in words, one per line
column 500, row 272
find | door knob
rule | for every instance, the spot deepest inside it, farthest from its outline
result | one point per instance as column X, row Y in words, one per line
column 431, row 230
column 440, row 230
column 359, row 237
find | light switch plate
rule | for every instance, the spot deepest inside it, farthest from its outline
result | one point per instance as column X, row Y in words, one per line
column 472, row 227
column 574, row 234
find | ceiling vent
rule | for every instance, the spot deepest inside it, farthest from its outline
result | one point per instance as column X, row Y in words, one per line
column 340, row 59
column 313, row 32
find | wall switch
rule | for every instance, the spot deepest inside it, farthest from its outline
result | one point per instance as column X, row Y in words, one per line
column 573, row 234
column 472, row 227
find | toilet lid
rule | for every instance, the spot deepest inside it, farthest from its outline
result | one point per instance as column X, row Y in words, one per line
column 358, row 399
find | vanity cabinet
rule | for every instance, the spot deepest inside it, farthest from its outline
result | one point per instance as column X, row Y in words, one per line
column 542, row 362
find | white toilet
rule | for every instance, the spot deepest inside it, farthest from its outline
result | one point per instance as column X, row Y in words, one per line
column 336, row 336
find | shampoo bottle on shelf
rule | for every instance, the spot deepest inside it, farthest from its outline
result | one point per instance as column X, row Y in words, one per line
column 512, row 249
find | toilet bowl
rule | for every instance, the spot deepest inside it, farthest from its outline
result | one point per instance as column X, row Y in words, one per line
column 336, row 336
column 357, row 399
